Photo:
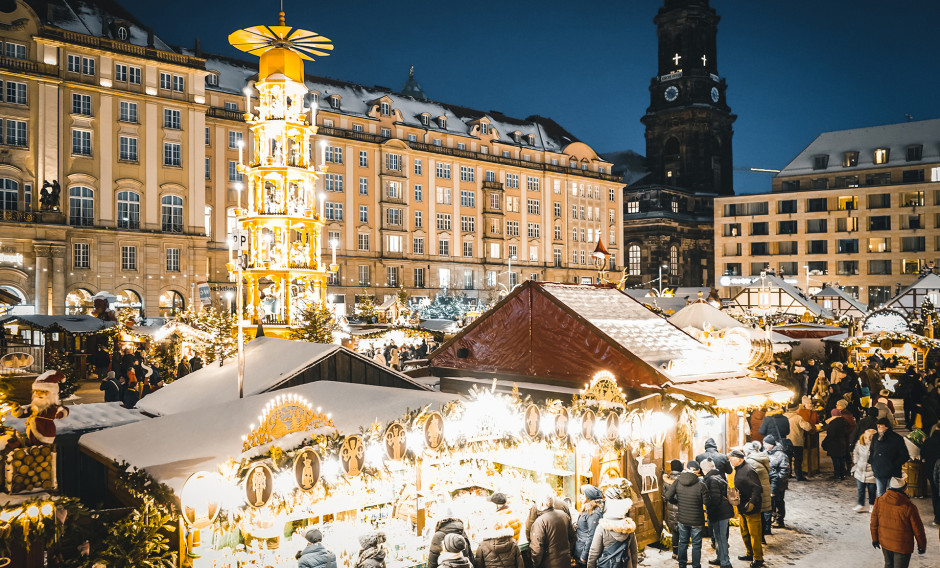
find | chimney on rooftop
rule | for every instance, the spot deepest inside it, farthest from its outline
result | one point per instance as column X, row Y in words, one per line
column 198, row 48
column 149, row 37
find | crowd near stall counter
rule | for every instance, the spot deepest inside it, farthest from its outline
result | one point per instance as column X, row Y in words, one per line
column 909, row 350
column 297, row 471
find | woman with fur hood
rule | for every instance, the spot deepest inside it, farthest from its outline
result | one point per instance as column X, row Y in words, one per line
column 371, row 551
column 864, row 477
column 497, row 548
column 615, row 527
column 591, row 513
column 447, row 526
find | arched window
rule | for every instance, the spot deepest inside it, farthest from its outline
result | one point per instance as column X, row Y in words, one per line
column 171, row 303
column 81, row 206
column 671, row 150
column 9, row 194
column 171, row 213
column 79, row 302
column 22, row 308
column 633, row 260
column 128, row 210
column 674, row 260
column 129, row 299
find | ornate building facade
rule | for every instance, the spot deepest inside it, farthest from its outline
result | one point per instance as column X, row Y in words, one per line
column 668, row 213
column 143, row 139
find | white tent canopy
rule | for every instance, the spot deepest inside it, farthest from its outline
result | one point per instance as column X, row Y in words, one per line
column 171, row 448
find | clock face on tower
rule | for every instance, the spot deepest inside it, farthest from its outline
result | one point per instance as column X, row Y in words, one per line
column 714, row 94
column 672, row 93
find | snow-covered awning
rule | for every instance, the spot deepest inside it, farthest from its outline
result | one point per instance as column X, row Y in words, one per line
column 171, row 448
column 88, row 417
column 78, row 324
column 734, row 392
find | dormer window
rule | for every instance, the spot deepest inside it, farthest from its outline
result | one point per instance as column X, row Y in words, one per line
column 385, row 109
column 484, row 128
column 531, row 138
column 212, row 80
column 915, row 153
column 881, row 155
column 820, row 162
column 849, row 159
column 315, row 98
column 426, row 119
column 334, row 101
column 122, row 33
column 442, row 122
column 516, row 136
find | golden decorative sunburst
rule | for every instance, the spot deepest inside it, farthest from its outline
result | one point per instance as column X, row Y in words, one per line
column 258, row 39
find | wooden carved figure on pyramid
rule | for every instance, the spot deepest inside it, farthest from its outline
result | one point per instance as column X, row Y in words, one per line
column 44, row 409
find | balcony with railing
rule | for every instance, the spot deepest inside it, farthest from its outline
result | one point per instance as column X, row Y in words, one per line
column 226, row 114
column 27, row 66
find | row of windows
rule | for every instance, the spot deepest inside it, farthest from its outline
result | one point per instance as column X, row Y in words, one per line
column 82, row 207
column 14, row 93
column 127, row 148
column 912, row 153
column 841, row 267
column 825, row 204
column 15, row 131
column 81, row 257
column 392, row 276
column 634, row 260
column 842, row 246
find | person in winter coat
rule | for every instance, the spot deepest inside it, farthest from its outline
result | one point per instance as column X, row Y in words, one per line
column 447, row 525
column 779, row 478
column 675, row 469
column 775, row 423
column 836, row 443
column 615, row 528
column 506, row 516
column 895, row 524
column 718, row 510
column 887, row 455
column 797, row 437
column 552, row 536
column 864, row 478
column 497, row 548
column 688, row 492
column 372, row 551
column 719, row 459
column 748, row 485
column 754, row 421
column 111, row 388
column 557, row 504
column 591, row 513
column 868, row 422
column 455, row 551
column 930, row 453
column 315, row 555
column 821, row 389
column 760, row 461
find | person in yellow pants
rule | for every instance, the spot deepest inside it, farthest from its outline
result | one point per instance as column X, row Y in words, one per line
column 748, row 486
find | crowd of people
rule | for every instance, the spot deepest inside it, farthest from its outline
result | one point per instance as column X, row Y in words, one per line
column 126, row 376
column 391, row 355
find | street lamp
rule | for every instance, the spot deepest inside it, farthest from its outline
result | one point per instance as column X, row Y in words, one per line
column 661, row 266
column 600, row 256
column 229, row 295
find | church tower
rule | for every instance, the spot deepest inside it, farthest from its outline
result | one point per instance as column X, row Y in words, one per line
column 688, row 122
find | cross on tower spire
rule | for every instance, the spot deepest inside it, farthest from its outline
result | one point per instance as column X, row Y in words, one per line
column 676, row 59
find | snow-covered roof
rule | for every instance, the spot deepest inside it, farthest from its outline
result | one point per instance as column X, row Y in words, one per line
column 99, row 18
column 643, row 333
column 627, row 164
column 171, row 448
column 771, row 282
column 269, row 361
column 87, row 417
column 896, row 137
column 69, row 324
column 831, row 292
column 928, row 282
column 700, row 314
column 357, row 101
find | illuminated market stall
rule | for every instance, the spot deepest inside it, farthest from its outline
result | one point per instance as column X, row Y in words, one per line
column 910, row 349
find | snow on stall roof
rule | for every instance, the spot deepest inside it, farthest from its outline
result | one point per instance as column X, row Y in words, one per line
column 643, row 333
column 87, row 417
column 830, row 292
column 771, row 282
column 268, row 362
column 896, row 137
column 700, row 314
column 71, row 324
column 171, row 448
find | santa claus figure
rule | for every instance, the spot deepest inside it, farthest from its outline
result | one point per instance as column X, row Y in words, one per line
column 43, row 409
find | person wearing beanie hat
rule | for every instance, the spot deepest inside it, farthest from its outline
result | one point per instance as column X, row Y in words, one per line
column 613, row 492
column 505, row 516
column 748, row 486
column 821, row 389
column 711, row 452
column 591, row 512
column 837, row 443
column 887, row 455
column 372, row 551
column 551, row 537
column 896, row 525
column 718, row 510
column 616, row 528
column 447, row 526
column 688, row 493
column 779, row 479
column 315, row 555
column 111, row 388
column 769, row 441
column 455, row 553
column 671, row 509
column 498, row 499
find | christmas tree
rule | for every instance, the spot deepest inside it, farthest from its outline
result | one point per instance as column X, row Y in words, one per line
column 317, row 325
column 365, row 307
column 215, row 336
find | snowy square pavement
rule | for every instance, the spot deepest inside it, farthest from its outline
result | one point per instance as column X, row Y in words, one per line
column 822, row 532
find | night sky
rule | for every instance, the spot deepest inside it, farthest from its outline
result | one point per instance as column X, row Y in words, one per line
column 794, row 68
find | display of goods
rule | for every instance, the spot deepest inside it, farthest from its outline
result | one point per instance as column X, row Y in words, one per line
column 29, row 468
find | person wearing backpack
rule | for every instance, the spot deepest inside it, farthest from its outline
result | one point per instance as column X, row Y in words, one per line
column 747, row 493
column 689, row 494
column 718, row 510
column 614, row 544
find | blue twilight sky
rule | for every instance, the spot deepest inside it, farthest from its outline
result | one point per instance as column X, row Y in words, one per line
column 795, row 68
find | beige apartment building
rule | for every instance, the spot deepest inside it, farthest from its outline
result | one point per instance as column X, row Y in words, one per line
column 143, row 140
column 859, row 208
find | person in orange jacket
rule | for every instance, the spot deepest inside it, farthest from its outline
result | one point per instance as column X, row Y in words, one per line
column 895, row 524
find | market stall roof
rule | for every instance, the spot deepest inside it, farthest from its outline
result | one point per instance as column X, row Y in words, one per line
column 87, row 417
column 563, row 333
column 808, row 330
column 271, row 364
column 733, row 392
column 850, row 306
column 911, row 298
column 439, row 325
column 783, row 298
column 79, row 324
column 171, row 448
column 699, row 314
